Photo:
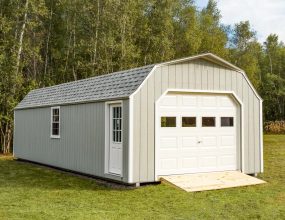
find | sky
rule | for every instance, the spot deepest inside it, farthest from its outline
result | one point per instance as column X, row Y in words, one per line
column 265, row 16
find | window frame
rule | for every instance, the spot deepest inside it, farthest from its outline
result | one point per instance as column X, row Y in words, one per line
column 51, row 122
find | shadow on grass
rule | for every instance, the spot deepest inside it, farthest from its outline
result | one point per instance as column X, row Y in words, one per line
column 23, row 174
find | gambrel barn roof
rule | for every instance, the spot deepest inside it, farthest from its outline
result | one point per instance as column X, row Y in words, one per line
column 105, row 87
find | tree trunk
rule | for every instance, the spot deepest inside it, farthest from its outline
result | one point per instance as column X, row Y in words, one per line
column 96, row 36
column 7, row 146
column 47, row 44
column 74, row 45
column 67, row 54
column 34, row 58
column 270, row 60
column 123, row 32
column 6, row 133
column 21, row 37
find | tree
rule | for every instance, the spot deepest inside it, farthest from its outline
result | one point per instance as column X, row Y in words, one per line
column 187, row 27
column 273, row 82
column 273, row 92
column 213, row 33
column 245, row 51
column 274, row 56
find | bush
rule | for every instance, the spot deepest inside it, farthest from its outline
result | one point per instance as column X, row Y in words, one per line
column 274, row 127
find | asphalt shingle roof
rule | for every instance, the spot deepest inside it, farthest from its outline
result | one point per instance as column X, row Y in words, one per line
column 110, row 86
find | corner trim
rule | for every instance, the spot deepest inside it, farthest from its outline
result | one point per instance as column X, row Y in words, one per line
column 261, row 136
column 131, row 139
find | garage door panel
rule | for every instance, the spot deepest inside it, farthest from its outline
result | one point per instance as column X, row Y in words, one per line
column 227, row 160
column 167, row 164
column 227, row 102
column 168, row 142
column 190, row 163
column 197, row 149
column 189, row 142
column 189, row 101
column 210, row 141
column 210, row 161
column 169, row 101
column 209, row 101
column 227, row 140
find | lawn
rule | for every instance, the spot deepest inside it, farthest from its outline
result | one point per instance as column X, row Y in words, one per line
column 30, row 191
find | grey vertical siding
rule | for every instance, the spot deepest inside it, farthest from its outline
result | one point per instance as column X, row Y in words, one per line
column 201, row 75
column 81, row 146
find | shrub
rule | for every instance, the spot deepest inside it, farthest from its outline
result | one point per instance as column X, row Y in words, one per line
column 274, row 127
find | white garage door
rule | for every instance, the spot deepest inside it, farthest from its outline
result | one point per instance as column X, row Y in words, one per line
column 196, row 133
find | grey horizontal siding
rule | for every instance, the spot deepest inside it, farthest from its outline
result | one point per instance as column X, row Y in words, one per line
column 200, row 75
column 81, row 146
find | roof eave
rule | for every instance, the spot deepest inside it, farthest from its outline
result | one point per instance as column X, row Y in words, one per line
column 208, row 56
column 72, row 103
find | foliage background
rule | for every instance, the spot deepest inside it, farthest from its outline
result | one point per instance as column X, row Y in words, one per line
column 47, row 42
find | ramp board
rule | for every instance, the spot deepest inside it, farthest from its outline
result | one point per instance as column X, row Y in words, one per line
column 210, row 181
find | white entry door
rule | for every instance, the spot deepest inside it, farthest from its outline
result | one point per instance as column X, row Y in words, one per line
column 196, row 133
column 115, row 139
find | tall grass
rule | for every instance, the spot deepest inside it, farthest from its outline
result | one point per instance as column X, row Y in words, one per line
column 274, row 127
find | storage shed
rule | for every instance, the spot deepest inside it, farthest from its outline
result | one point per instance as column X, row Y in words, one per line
column 197, row 114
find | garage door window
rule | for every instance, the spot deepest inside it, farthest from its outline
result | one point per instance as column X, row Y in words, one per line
column 208, row 121
column 168, row 122
column 188, row 121
column 227, row 121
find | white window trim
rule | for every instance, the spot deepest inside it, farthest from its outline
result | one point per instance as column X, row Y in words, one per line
column 51, row 112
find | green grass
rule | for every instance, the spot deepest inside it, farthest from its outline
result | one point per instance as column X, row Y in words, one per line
column 29, row 191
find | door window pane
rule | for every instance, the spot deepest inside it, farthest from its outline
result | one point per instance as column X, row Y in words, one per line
column 168, row 121
column 227, row 121
column 208, row 121
column 117, row 124
column 188, row 121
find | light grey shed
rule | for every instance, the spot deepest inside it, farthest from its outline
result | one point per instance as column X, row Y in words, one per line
column 197, row 114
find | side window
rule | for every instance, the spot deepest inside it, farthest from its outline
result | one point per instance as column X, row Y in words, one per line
column 168, row 122
column 188, row 121
column 55, row 122
column 208, row 121
column 227, row 121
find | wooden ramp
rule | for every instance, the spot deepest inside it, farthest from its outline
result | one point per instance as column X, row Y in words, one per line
column 210, row 181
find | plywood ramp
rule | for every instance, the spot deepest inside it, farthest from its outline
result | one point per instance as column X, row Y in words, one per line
column 210, row 181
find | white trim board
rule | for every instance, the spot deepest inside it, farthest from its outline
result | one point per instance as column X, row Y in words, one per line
column 261, row 137
column 131, row 139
